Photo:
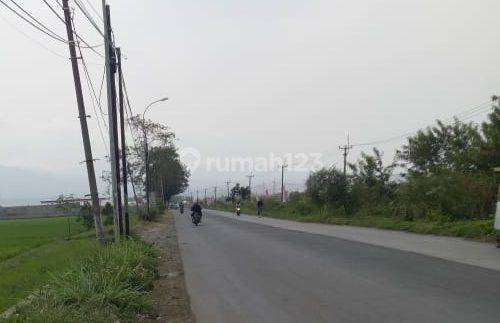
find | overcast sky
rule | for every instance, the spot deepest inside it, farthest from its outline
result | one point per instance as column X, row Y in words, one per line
column 249, row 78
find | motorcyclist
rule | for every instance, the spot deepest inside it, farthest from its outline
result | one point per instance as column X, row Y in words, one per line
column 181, row 207
column 196, row 209
column 238, row 208
column 260, row 207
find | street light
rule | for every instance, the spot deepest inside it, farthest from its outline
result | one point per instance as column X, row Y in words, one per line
column 146, row 151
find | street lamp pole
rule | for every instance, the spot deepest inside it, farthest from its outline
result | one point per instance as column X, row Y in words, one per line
column 146, row 152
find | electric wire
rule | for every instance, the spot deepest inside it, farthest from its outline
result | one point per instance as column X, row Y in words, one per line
column 89, row 17
column 91, row 89
column 464, row 115
column 94, row 10
column 39, row 43
column 50, row 34
column 38, row 22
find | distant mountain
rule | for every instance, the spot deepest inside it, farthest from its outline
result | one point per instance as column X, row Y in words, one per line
column 19, row 186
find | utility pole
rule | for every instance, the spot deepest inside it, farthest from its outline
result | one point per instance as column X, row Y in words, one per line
column 250, row 182
column 283, row 182
column 123, row 142
column 227, row 184
column 215, row 194
column 113, row 131
column 346, row 149
column 205, row 196
column 89, row 161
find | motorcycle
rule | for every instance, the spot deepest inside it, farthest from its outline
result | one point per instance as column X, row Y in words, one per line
column 238, row 210
column 181, row 209
column 196, row 218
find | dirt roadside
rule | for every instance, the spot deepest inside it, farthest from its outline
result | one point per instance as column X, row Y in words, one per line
column 170, row 297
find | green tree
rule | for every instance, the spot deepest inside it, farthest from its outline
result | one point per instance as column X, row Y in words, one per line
column 240, row 192
column 169, row 175
column 445, row 146
column 329, row 186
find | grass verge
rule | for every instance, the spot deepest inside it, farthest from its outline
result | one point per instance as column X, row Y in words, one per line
column 474, row 229
column 112, row 284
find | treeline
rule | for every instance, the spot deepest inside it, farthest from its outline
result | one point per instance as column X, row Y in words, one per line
column 444, row 172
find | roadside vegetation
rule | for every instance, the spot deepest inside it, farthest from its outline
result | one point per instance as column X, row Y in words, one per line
column 112, row 284
column 441, row 182
column 73, row 278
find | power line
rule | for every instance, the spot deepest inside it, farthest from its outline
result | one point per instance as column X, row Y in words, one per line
column 94, row 10
column 89, row 17
column 466, row 114
column 91, row 88
column 50, row 34
column 39, row 43
column 38, row 22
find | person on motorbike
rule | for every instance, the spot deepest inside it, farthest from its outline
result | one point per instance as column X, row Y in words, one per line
column 181, row 207
column 260, row 207
column 238, row 208
column 196, row 209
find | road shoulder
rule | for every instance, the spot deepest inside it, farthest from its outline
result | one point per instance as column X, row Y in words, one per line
column 170, row 297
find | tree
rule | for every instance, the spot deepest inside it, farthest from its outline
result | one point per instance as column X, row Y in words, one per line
column 371, row 180
column 445, row 146
column 240, row 192
column 168, row 175
column 329, row 186
column 489, row 156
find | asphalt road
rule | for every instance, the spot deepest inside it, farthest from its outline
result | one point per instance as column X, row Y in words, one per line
column 245, row 272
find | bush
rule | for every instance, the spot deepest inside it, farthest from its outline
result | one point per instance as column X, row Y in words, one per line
column 85, row 216
column 454, row 195
column 107, row 212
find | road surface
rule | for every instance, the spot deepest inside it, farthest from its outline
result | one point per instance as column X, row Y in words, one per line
column 237, row 271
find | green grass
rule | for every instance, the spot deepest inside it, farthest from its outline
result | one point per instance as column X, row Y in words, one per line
column 111, row 285
column 18, row 236
column 474, row 229
column 34, row 249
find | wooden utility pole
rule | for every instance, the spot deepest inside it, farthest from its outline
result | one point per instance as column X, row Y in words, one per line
column 113, row 131
column 89, row 161
column 283, row 182
column 123, row 143
column 346, row 149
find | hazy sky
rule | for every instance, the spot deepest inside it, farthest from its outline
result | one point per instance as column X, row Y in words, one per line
column 246, row 78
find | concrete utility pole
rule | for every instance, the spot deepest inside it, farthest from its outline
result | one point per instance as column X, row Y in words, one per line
column 227, row 184
column 113, row 140
column 215, row 194
column 497, row 211
column 123, row 142
column 196, row 195
column 283, row 182
column 89, row 161
column 250, row 182
column 346, row 149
